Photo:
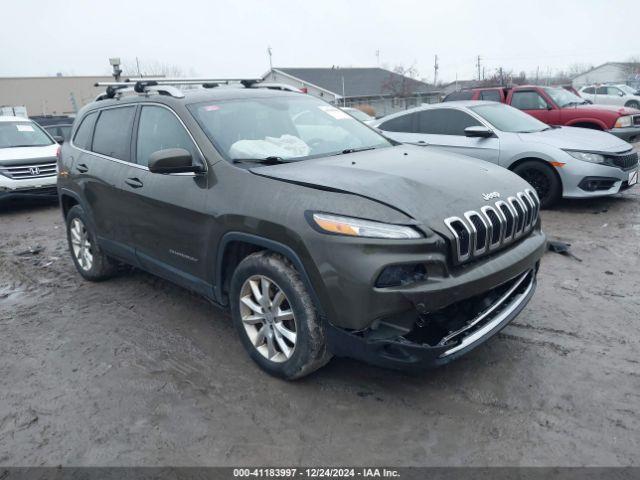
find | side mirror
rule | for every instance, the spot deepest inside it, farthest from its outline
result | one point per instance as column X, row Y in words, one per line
column 478, row 131
column 621, row 94
column 172, row 160
column 59, row 139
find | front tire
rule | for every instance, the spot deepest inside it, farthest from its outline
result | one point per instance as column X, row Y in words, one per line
column 275, row 317
column 87, row 256
column 543, row 179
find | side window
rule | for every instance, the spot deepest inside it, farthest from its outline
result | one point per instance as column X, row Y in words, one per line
column 444, row 121
column 403, row 123
column 589, row 90
column 461, row 95
column 84, row 133
column 601, row 91
column 613, row 91
column 159, row 129
column 528, row 100
column 113, row 132
column 490, row 95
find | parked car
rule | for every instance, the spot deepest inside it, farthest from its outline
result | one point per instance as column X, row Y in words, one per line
column 27, row 160
column 557, row 161
column 611, row 95
column 359, row 247
column 359, row 115
column 557, row 106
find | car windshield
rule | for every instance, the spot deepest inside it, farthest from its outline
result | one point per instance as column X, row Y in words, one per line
column 509, row 119
column 627, row 89
column 284, row 128
column 22, row 134
column 564, row 98
column 360, row 115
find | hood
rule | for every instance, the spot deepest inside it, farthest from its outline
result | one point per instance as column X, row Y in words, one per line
column 18, row 154
column 604, row 108
column 426, row 184
column 574, row 138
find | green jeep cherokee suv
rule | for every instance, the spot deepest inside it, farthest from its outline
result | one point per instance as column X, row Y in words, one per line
column 320, row 235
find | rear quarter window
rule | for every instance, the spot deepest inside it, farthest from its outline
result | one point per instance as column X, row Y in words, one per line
column 84, row 134
column 491, row 95
column 464, row 95
column 403, row 123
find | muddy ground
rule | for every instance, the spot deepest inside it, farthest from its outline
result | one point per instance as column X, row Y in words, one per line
column 136, row 371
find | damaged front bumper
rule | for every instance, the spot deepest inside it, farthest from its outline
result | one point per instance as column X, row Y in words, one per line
column 436, row 338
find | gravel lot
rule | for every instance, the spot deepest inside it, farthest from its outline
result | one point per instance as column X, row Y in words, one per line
column 136, row 371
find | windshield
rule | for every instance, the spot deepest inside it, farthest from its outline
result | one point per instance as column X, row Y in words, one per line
column 564, row 98
column 627, row 89
column 292, row 127
column 22, row 134
column 509, row 119
column 360, row 115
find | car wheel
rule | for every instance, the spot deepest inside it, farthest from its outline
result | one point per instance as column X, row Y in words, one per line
column 543, row 179
column 633, row 104
column 275, row 317
column 87, row 256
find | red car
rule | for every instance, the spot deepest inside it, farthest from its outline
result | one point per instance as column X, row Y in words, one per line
column 558, row 106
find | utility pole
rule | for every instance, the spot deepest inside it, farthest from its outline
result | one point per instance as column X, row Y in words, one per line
column 478, row 65
column 435, row 71
column 117, row 71
column 378, row 58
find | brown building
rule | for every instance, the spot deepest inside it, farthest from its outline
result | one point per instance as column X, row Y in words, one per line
column 50, row 95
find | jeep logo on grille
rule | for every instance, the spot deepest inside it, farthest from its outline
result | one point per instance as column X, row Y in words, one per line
column 34, row 170
column 489, row 196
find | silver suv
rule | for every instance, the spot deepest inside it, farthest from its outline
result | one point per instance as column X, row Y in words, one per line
column 28, row 157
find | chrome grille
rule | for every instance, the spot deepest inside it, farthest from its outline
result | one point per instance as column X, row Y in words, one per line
column 493, row 226
column 34, row 169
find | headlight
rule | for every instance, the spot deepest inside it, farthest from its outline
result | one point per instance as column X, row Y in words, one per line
column 355, row 227
column 622, row 122
column 587, row 156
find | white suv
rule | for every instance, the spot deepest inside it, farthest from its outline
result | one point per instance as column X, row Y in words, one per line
column 622, row 95
column 28, row 160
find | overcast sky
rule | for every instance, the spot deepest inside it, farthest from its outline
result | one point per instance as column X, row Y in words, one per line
column 230, row 38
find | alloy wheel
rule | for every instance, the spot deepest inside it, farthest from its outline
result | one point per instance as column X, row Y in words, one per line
column 81, row 244
column 539, row 181
column 267, row 318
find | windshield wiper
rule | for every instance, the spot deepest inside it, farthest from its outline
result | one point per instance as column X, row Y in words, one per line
column 354, row 150
column 273, row 160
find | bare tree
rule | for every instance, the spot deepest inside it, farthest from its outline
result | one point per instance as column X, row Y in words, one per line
column 150, row 68
column 402, row 81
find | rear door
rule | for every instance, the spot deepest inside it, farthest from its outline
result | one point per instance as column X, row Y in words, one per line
column 166, row 211
column 111, row 150
column 102, row 148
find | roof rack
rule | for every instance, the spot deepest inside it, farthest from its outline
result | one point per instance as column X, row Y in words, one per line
column 165, row 86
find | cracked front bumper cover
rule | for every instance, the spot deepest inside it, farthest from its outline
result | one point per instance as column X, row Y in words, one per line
column 401, row 353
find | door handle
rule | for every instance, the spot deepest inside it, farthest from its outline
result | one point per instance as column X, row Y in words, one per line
column 134, row 182
column 82, row 168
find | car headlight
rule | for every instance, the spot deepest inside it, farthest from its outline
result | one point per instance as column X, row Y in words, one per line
column 355, row 227
column 623, row 122
column 587, row 156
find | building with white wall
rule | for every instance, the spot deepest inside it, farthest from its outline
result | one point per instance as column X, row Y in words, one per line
column 610, row 72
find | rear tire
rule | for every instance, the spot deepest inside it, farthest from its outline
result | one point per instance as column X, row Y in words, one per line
column 633, row 104
column 87, row 256
column 543, row 179
column 275, row 317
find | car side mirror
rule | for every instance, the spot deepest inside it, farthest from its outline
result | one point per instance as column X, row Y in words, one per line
column 621, row 94
column 59, row 139
column 478, row 131
column 172, row 160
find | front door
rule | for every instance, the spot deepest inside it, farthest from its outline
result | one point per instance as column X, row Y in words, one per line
column 167, row 220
